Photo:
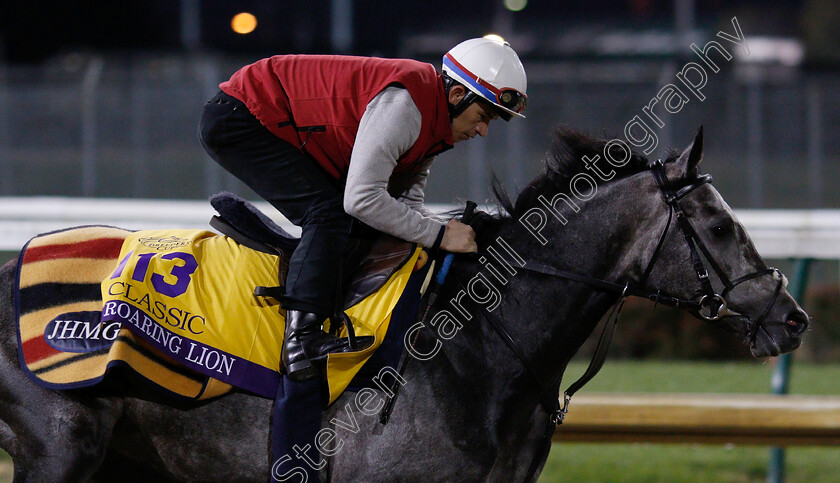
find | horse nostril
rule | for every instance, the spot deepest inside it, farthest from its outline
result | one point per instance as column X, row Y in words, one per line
column 797, row 322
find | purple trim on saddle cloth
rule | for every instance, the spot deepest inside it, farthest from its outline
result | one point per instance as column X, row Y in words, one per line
column 200, row 357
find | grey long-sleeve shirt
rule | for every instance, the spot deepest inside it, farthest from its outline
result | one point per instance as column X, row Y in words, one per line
column 389, row 128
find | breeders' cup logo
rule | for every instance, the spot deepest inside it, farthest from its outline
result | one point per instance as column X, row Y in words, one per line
column 164, row 243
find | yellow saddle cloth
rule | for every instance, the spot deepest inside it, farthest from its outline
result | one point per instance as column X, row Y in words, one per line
column 185, row 297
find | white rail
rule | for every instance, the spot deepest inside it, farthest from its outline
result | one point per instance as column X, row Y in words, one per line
column 776, row 233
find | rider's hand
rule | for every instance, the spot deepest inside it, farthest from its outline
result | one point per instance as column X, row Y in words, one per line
column 458, row 238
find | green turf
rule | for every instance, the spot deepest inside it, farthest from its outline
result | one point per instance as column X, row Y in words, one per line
column 684, row 463
column 5, row 468
column 751, row 376
column 693, row 463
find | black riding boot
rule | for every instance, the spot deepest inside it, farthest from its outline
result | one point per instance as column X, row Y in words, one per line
column 304, row 341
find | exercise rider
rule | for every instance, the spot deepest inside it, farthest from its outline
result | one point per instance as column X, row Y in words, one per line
column 325, row 139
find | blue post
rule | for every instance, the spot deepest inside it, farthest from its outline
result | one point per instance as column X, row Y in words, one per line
column 781, row 376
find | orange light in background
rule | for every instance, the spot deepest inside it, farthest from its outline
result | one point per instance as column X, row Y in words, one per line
column 243, row 23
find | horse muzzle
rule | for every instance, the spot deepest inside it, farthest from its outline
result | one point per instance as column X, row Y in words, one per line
column 778, row 335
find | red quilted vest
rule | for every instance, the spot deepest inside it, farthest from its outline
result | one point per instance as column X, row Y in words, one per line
column 317, row 101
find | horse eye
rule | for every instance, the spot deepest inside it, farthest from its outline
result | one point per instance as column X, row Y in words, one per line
column 720, row 231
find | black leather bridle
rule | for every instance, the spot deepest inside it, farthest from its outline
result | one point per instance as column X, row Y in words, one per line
column 711, row 306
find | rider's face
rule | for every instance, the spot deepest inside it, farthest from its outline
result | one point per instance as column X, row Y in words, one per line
column 473, row 121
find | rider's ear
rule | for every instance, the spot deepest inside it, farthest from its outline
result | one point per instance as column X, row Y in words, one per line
column 693, row 154
column 456, row 93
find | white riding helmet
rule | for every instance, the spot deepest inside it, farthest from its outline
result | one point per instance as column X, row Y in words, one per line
column 490, row 69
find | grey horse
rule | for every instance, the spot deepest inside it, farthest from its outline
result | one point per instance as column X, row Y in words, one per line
column 469, row 404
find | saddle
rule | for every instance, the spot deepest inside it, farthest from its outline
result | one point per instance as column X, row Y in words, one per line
column 368, row 262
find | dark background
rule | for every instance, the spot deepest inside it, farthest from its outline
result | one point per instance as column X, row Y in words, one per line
column 33, row 31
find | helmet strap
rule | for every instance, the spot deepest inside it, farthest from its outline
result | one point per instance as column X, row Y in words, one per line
column 455, row 110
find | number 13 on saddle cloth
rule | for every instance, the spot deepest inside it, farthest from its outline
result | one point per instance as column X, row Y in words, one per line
column 189, row 294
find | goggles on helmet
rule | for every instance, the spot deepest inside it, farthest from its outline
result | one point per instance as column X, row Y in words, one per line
column 507, row 97
column 512, row 99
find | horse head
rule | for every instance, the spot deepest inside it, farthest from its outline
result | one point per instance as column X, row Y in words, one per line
column 657, row 230
column 705, row 256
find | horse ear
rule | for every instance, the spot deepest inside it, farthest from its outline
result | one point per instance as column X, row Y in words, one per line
column 693, row 154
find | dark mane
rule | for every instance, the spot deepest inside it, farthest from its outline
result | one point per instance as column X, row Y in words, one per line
column 563, row 161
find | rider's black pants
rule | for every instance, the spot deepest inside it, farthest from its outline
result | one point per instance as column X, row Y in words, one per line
column 294, row 184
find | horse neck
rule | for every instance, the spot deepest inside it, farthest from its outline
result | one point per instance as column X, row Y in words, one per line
column 550, row 317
